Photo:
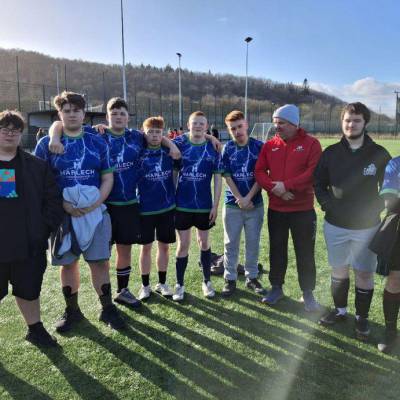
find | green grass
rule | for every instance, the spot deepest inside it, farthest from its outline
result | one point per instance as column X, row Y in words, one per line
column 201, row 349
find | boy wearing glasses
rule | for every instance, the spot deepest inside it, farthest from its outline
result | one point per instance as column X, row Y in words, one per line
column 30, row 208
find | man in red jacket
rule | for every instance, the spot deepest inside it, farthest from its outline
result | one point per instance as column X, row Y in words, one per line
column 285, row 170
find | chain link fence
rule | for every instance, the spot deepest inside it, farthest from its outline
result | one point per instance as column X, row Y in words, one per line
column 316, row 117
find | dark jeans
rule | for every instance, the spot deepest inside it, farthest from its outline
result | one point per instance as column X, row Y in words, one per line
column 302, row 226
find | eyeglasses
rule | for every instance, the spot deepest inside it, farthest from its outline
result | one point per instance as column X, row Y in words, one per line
column 8, row 131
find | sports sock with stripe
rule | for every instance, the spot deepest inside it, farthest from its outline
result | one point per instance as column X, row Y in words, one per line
column 123, row 277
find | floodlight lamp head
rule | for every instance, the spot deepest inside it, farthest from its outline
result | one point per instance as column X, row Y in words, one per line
column 179, row 54
column 248, row 39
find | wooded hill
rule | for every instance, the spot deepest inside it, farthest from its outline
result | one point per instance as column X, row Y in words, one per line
column 154, row 90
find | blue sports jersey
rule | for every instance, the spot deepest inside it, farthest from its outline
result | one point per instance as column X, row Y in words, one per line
column 199, row 162
column 391, row 181
column 239, row 163
column 156, row 186
column 124, row 151
column 85, row 159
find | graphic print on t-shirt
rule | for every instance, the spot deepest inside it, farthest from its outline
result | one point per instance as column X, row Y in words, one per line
column 156, row 185
column 239, row 163
column 8, row 187
column 124, row 155
column 84, row 159
column 391, row 181
column 199, row 162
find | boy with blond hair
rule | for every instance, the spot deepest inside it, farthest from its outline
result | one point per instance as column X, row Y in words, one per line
column 194, row 202
column 156, row 187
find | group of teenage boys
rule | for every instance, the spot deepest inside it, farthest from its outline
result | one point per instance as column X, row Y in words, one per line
column 109, row 184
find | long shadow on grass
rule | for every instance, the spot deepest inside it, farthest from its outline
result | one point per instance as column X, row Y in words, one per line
column 290, row 353
column 159, row 375
column 274, row 351
column 289, row 306
column 241, row 367
column 195, row 362
column 19, row 389
column 322, row 357
column 84, row 385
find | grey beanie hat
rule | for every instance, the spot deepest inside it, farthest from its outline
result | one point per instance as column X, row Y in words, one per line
column 288, row 112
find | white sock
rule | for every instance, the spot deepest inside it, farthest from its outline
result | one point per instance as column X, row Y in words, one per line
column 342, row 311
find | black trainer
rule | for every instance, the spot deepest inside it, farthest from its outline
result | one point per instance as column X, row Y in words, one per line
column 68, row 319
column 389, row 341
column 229, row 288
column 218, row 269
column 40, row 337
column 332, row 317
column 110, row 316
column 255, row 286
column 362, row 328
column 240, row 269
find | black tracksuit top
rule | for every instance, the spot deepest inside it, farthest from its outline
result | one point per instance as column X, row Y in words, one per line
column 42, row 200
column 347, row 183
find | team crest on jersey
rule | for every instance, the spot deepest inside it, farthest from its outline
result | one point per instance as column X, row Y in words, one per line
column 370, row 170
column 78, row 164
column 299, row 148
column 120, row 158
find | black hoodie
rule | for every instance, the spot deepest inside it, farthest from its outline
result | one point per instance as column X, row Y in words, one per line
column 347, row 183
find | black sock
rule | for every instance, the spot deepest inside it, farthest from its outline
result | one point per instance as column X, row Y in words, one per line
column 205, row 260
column 340, row 291
column 71, row 299
column 181, row 264
column 35, row 327
column 146, row 280
column 391, row 305
column 162, row 277
column 123, row 277
column 105, row 298
column 363, row 301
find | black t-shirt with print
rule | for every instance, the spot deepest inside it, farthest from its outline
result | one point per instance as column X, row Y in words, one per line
column 13, row 230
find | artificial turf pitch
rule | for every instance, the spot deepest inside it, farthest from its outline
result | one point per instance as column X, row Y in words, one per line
column 232, row 348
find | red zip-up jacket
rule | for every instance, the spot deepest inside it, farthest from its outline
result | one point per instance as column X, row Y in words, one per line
column 291, row 162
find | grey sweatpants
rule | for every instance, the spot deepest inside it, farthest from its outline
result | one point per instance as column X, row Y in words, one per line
column 235, row 219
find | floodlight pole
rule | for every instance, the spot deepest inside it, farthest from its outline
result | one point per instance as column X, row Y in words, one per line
column 397, row 116
column 123, row 51
column 180, row 88
column 18, row 87
column 57, row 80
column 247, row 40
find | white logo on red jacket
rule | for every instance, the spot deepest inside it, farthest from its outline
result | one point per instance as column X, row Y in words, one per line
column 275, row 149
column 299, row 148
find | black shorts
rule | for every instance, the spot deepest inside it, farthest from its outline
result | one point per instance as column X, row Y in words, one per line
column 125, row 222
column 159, row 226
column 394, row 263
column 25, row 277
column 185, row 220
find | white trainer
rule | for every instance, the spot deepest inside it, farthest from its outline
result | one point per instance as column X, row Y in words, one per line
column 144, row 292
column 208, row 290
column 163, row 289
column 179, row 293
